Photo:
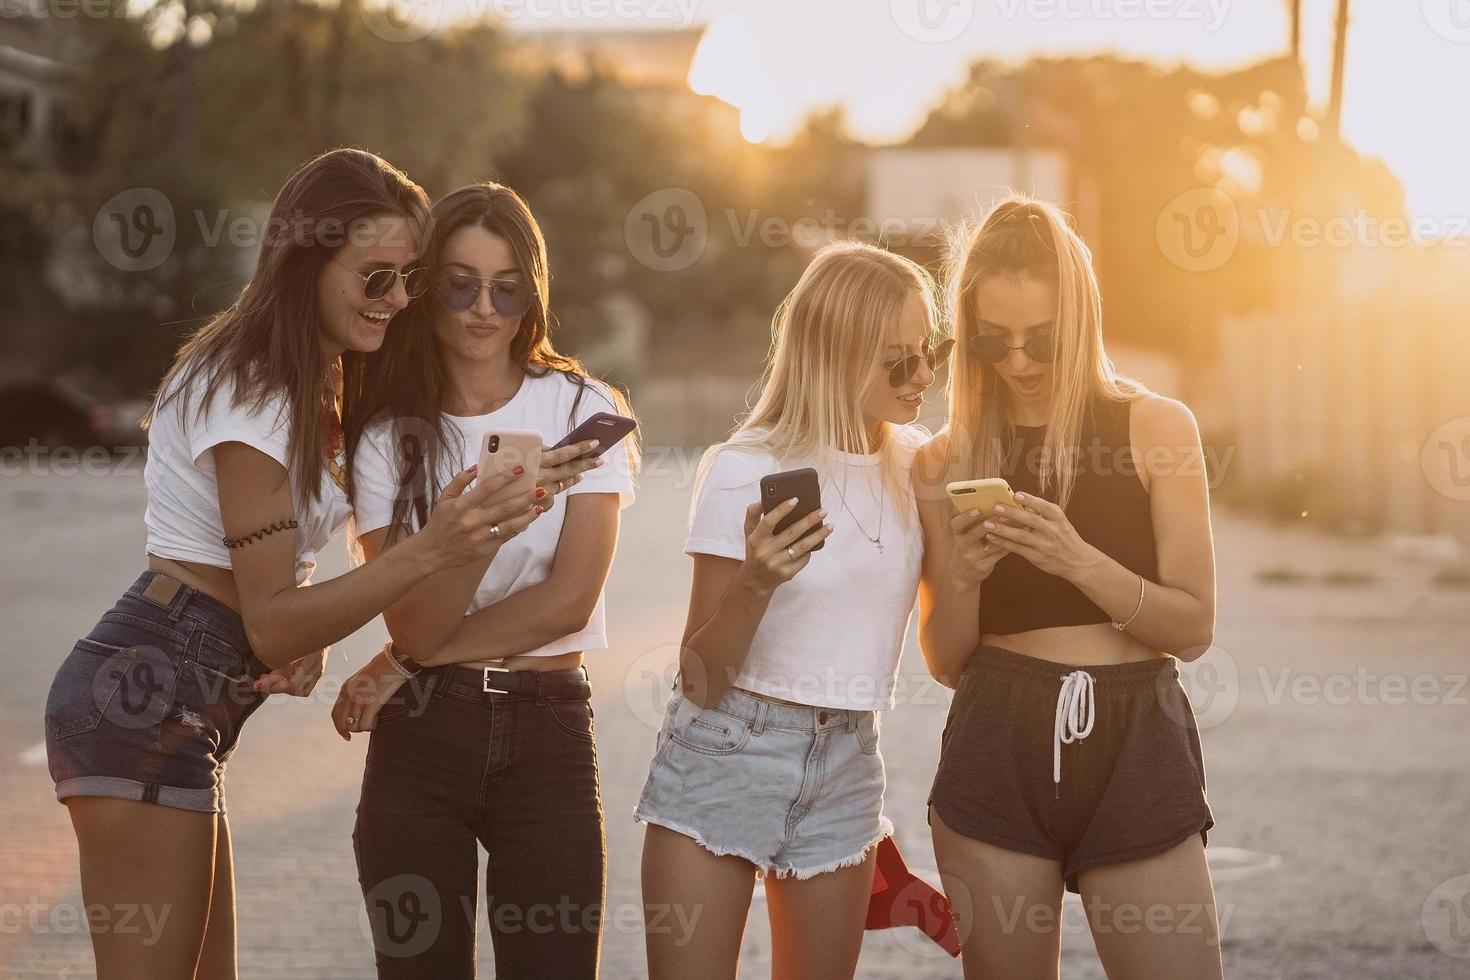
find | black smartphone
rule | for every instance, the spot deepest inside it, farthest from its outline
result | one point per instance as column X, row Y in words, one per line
column 608, row 429
column 801, row 484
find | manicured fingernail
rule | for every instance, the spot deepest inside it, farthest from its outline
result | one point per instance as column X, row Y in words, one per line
column 1020, row 496
column 989, row 524
column 1000, row 507
column 538, row 510
column 519, row 470
column 540, row 492
column 475, row 468
column 594, row 443
column 790, row 501
column 821, row 513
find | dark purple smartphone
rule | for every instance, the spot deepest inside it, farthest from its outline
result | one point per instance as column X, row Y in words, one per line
column 781, row 487
column 606, row 428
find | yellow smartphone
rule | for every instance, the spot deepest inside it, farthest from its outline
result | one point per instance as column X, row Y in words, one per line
column 981, row 495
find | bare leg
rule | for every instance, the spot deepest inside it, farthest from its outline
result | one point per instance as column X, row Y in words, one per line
column 1007, row 906
column 1155, row 917
column 147, row 876
column 817, row 923
column 694, row 907
column 218, row 958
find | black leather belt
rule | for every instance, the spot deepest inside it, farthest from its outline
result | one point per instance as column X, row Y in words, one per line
column 486, row 682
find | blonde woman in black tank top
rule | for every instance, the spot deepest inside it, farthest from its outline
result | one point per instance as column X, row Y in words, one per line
column 1070, row 756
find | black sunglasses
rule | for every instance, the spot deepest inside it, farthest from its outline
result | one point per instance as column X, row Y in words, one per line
column 508, row 297
column 992, row 348
column 380, row 282
column 901, row 370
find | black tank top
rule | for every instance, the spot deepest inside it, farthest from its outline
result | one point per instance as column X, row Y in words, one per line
column 1109, row 508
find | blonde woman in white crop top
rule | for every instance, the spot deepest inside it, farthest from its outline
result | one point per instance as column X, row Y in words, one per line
column 767, row 762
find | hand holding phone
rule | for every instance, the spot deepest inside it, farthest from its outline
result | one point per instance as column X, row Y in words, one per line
column 608, row 429
column 981, row 495
column 502, row 450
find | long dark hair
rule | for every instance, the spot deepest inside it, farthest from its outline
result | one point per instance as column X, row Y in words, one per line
column 269, row 340
column 404, row 379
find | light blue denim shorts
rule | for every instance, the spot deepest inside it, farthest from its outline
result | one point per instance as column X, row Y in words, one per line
column 795, row 790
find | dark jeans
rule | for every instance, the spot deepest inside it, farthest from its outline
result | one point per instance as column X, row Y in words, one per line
column 449, row 766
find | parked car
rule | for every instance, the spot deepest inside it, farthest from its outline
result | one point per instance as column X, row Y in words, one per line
column 57, row 413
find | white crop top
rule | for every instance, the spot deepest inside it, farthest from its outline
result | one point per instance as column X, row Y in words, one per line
column 832, row 636
column 183, row 497
column 545, row 405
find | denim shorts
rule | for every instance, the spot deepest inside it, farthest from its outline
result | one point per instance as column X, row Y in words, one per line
column 149, row 705
column 794, row 790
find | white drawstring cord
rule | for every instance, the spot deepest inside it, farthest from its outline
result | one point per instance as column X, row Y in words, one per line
column 1074, row 702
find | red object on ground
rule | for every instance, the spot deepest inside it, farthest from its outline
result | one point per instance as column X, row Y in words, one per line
column 901, row 898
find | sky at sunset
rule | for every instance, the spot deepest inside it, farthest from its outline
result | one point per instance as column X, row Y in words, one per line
column 1407, row 87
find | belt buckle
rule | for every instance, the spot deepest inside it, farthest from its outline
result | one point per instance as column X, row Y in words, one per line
column 496, row 670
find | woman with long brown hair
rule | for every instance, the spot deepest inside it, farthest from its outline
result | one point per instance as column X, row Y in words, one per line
column 243, row 490
column 1070, row 759
column 491, row 741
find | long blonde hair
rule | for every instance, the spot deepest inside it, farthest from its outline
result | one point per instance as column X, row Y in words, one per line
column 827, row 342
column 1032, row 240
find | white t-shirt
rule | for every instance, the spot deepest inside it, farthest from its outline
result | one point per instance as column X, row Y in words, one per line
column 832, row 635
column 183, row 497
column 543, row 404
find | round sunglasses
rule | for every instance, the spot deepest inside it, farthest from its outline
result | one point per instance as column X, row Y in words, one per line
column 508, row 297
column 380, row 282
column 901, row 370
column 992, row 348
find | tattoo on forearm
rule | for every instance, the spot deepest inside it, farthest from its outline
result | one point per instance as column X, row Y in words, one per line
column 260, row 535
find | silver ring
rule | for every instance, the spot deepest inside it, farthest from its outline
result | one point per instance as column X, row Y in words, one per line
column 495, row 530
column 351, row 719
column 790, row 550
column 559, row 485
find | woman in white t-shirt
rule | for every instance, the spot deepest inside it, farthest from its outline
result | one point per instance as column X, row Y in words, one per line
column 491, row 741
column 242, row 476
column 767, row 761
